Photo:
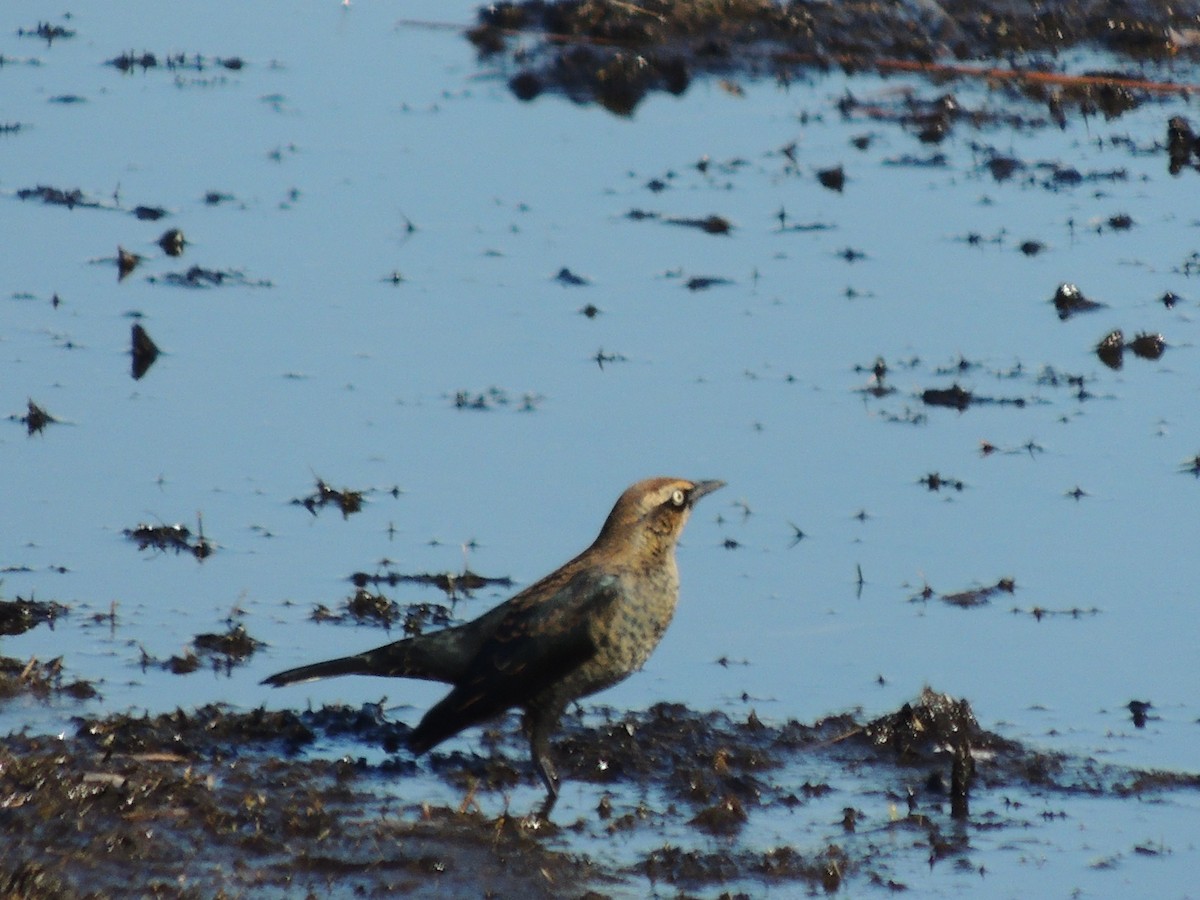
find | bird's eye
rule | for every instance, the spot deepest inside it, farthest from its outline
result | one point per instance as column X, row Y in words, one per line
column 678, row 497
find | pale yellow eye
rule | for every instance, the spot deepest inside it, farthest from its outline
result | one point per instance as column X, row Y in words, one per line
column 678, row 497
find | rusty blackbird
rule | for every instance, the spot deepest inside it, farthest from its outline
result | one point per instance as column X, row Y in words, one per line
column 582, row 628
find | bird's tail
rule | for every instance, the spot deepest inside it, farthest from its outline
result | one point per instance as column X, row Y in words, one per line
column 346, row 665
column 440, row 656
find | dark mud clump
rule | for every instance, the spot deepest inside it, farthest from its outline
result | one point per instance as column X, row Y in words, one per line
column 178, row 538
column 615, row 53
column 233, row 644
column 1068, row 301
column 954, row 397
column 1183, row 147
column 41, row 680
column 1112, row 347
column 222, row 651
column 972, row 597
column 18, row 616
column 172, row 242
column 35, row 419
column 362, row 608
column 347, row 501
column 143, row 352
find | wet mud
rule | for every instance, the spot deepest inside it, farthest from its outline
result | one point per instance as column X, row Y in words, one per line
column 615, row 53
column 248, row 800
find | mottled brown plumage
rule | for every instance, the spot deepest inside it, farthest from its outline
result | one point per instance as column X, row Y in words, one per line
column 582, row 628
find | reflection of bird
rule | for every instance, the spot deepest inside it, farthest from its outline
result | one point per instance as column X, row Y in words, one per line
column 579, row 630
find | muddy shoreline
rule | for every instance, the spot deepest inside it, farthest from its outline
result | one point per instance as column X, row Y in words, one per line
column 253, row 813
column 616, row 53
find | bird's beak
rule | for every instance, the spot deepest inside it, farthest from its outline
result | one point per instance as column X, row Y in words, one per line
column 701, row 488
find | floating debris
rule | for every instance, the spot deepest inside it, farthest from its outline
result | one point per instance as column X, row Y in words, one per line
column 201, row 277
column 495, row 397
column 713, row 224
column 954, row 397
column 172, row 537
column 128, row 61
column 703, row 283
column 912, row 161
column 40, row 679
column 366, row 608
column 833, row 178
column 143, row 351
column 936, row 482
column 876, row 386
column 452, row 584
column 57, row 197
column 35, row 419
column 234, row 645
column 1040, row 612
column 346, row 500
column 127, row 261
column 1183, row 147
column 973, row 597
column 47, row 32
column 1148, row 346
column 603, row 357
column 148, row 213
column 1002, row 167
column 362, row 608
column 19, row 615
column 1069, row 301
column 569, row 279
column 172, row 242
column 1112, row 347
column 1139, row 712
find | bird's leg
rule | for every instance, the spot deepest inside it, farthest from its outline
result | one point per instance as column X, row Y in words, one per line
column 539, row 724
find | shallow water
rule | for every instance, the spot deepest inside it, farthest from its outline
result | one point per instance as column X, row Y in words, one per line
column 342, row 128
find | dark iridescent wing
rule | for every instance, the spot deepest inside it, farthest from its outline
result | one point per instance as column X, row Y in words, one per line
column 540, row 640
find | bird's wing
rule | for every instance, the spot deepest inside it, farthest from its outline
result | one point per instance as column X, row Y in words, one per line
column 539, row 641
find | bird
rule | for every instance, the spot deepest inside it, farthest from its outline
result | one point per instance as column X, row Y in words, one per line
column 584, row 627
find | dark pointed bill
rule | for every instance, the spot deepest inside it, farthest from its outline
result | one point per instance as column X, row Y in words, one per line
column 703, row 488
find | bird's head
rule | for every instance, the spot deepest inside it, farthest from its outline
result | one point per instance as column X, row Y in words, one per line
column 655, row 509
